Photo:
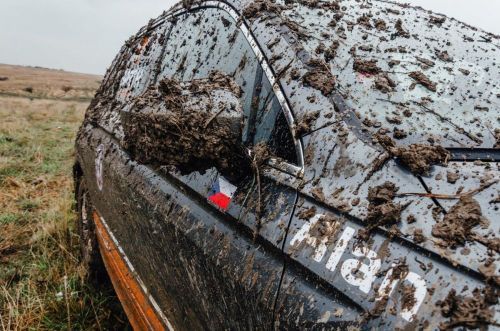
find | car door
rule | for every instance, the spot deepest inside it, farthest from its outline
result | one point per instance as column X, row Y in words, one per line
column 259, row 203
column 203, row 265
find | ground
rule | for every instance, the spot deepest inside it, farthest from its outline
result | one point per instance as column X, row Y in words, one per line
column 42, row 284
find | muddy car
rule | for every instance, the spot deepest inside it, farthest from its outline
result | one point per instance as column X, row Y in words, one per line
column 297, row 165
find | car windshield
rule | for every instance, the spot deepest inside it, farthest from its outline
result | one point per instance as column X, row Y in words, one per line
column 415, row 75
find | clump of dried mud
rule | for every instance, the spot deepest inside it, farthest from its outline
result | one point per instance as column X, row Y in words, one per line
column 366, row 66
column 216, row 80
column 497, row 138
column 256, row 8
column 381, row 209
column 176, row 125
column 306, row 214
column 408, row 296
column 469, row 312
column 326, row 227
column 319, row 77
column 456, row 226
column 304, row 125
column 400, row 30
column 418, row 158
column 384, row 83
column 421, row 79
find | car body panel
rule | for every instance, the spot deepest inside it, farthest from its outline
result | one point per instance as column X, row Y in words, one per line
column 192, row 259
column 142, row 311
column 465, row 76
column 330, row 249
column 304, row 270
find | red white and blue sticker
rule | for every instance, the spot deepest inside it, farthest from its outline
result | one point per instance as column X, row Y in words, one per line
column 221, row 193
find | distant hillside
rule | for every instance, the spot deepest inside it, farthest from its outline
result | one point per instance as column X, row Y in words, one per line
column 41, row 83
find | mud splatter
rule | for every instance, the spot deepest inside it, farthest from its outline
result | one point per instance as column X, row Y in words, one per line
column 456, row 227
column 400, row 30
column 421, row 79
column 331, row 52
column 216, row 80
column 426, row 62
column 364, row 21
column 306, row 214
column 489, row 270
column 452, row 177
column 470, row 312
column 408, row 296
column 381, row 209
column 399, row 133
column 444, row 56
column 319, row 77
column 317, row 193
column 384, row 83
column 418, row 236
column 254, row 9
column 497, row 138
column 437, row 20
column 260, row 154
column 380, row 25
column 326, row 227
column 418, row 158
column 366, row 66
column 304, row 125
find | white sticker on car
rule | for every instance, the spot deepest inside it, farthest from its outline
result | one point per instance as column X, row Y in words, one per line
column 362, row 271
column 99, row 166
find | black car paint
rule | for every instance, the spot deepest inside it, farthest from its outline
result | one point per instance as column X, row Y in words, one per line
column 145, row 205
column 201, row 266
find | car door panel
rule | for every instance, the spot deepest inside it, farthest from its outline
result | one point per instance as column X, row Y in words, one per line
column 394, row 281
column 198, row 45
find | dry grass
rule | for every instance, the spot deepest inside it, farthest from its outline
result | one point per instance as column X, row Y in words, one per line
column 42, row 284
column 46, row 83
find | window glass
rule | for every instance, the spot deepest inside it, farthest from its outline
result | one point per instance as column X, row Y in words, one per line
column 208, row 40
column 130, row 74
column 142, row 66
column 271, row 125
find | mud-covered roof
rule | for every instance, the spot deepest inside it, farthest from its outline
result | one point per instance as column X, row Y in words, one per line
column 416, row 75
column 419, row 76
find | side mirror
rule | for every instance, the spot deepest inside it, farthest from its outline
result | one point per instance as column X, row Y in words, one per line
column 193, row 126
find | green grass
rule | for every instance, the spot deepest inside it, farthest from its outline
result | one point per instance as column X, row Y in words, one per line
column 42, row 284
column 6, row 218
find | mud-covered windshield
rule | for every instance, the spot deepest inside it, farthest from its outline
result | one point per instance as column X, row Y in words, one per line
column 414, row 75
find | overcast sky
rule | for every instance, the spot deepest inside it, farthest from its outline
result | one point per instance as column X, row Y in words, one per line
column 85, row 35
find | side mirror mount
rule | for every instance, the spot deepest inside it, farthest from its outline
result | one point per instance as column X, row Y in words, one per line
column 193, row 126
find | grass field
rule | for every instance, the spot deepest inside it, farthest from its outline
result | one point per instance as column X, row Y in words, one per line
column 42, row 284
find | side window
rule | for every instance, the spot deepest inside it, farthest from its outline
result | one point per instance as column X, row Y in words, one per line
column 143, row 63
column 270, row 124
column 207, row 40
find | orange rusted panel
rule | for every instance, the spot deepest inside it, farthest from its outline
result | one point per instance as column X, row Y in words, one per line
column 137, row 306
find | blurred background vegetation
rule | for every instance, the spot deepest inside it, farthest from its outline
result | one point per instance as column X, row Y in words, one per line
column 42, row 284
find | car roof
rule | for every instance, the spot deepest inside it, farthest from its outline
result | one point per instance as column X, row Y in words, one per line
column 390, row 61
